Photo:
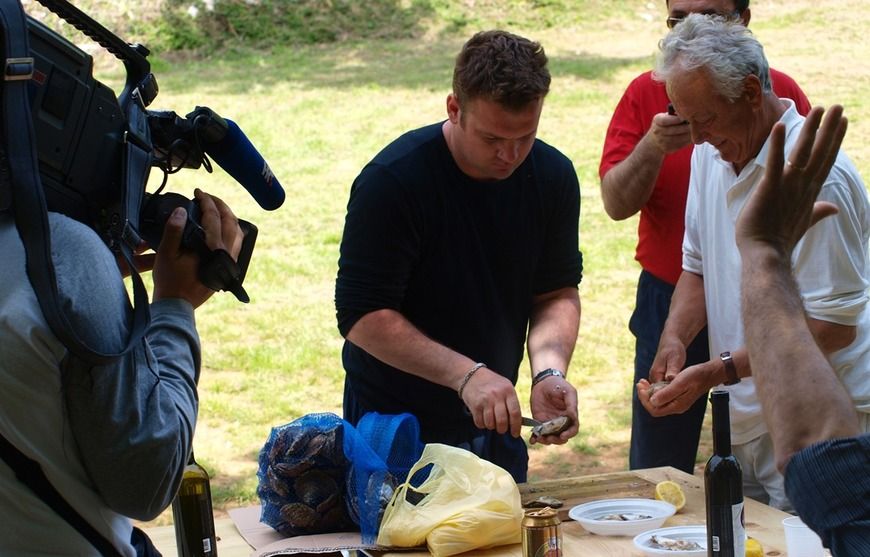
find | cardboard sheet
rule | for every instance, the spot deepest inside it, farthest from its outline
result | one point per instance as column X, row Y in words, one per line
column 269, row 543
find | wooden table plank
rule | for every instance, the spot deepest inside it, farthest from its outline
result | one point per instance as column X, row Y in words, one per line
column 574, row 491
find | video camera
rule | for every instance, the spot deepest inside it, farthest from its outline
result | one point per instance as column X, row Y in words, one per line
column 96, row 150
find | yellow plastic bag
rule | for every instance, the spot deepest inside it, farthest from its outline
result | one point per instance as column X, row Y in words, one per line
column 465, row 503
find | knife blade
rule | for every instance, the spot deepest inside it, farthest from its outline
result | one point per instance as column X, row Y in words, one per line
column 531, row 422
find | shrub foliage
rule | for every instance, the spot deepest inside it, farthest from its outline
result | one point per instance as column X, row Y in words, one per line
column 212, row 25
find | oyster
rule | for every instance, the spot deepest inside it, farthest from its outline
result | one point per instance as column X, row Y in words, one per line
column 297, row 439
column 314, row 487
column 278, row 484
column 291, row 469
column 544, row 501
column 299, row 516
column 320, row 445
column 624, row 517
column 335, row 519
column 658, row 386
column 552, row 427
column 673, row 544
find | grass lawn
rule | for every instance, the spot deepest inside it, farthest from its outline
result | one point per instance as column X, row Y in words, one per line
column 319, row 113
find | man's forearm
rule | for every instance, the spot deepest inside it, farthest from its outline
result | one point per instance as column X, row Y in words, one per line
column 553, row 328
column 134, row 419
column 627, row 186
column 688, row 312
column 388, row 336
column 803, row 399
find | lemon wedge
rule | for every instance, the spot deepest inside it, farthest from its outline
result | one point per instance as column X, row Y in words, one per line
column 671, row 492
column 753, row 548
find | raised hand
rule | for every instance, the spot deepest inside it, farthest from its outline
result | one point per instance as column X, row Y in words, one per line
column 783, row 205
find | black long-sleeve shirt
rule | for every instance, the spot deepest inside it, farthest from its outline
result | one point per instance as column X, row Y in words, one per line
column 460, row 259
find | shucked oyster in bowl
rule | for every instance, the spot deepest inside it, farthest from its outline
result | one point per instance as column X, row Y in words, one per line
column 622, row 517
column 676, row 541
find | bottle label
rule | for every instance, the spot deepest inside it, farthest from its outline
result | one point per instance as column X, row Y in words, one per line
column 726, row 531
column 739, row 529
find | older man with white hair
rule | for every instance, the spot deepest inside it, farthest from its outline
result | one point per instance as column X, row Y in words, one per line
column 718, row 79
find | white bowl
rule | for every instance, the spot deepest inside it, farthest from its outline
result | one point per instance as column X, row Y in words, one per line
column 695, row 533
column 589, row 515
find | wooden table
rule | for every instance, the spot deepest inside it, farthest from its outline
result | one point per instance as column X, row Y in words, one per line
column 762, row 522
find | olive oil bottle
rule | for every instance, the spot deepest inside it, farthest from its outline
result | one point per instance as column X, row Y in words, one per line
column 192, row 514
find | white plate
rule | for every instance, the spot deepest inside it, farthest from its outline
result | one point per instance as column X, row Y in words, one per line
column 589, row 515
column 695, row 533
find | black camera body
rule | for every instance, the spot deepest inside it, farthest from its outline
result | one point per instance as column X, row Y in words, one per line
column 79, row 128
column 95, row 149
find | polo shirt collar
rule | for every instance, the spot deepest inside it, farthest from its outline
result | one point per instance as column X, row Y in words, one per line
column 790, row 118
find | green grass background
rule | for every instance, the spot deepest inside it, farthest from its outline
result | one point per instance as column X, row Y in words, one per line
column 319, row 112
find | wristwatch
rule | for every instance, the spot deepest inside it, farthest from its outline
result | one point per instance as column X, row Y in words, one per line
column 730, row 369
column 549, row 372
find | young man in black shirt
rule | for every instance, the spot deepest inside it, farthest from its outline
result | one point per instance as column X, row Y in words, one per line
column 460, row 248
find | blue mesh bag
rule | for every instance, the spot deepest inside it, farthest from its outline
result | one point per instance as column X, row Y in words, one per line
column 320, row 474
column 381, row 454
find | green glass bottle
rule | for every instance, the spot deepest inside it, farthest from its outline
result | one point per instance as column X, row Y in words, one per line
column 192, row 514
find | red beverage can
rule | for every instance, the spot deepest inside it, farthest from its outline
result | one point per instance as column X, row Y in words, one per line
column 542, row 533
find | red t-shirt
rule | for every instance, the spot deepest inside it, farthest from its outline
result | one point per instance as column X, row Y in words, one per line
column 662, row 218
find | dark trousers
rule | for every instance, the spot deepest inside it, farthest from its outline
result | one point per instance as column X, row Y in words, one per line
column 669, row 440
column 504, row 450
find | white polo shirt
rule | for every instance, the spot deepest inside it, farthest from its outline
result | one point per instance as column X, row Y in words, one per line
column 830, row 262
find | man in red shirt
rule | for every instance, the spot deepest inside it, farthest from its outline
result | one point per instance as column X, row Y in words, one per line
column 645, row 167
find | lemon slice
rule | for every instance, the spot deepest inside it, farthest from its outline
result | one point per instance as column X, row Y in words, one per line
column 753, row 548
column 671, row 492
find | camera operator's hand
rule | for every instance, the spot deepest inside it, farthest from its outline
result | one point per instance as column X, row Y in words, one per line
column 142, row 261
column 175, row 269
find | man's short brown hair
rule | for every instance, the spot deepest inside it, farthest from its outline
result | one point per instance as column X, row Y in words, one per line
column 501, row 67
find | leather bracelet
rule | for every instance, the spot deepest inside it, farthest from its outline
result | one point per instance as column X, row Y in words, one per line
column 731, row 377
column 550, row 372
column 468, row 376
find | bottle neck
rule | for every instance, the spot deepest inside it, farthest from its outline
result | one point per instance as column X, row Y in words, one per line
column 721, row 423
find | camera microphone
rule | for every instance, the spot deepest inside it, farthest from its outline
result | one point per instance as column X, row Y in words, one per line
column 235, row 153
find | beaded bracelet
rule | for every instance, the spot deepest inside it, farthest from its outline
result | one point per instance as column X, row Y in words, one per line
column 468, row 375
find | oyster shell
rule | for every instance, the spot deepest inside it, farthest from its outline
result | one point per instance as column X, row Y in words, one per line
column 291, row 469
column 658, row 386
column 542, row 502
column 552, row 427
column 314, row 487
column 300, row 516
column 624, row 517
column 319, row 445
column 673, row 544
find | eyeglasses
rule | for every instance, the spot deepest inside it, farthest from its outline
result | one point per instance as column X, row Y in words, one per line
column 674, row 20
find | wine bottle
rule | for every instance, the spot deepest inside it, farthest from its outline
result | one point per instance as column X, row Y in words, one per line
column 192, row 514
column 723, row 483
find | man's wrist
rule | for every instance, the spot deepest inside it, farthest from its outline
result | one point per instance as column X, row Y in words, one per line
column 549, row 372
column 467, row 377
column 651, row 152
column 730, row 369
column 763, row 254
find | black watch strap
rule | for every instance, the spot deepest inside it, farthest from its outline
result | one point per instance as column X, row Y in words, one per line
column 731, row 377
column 549, row 372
